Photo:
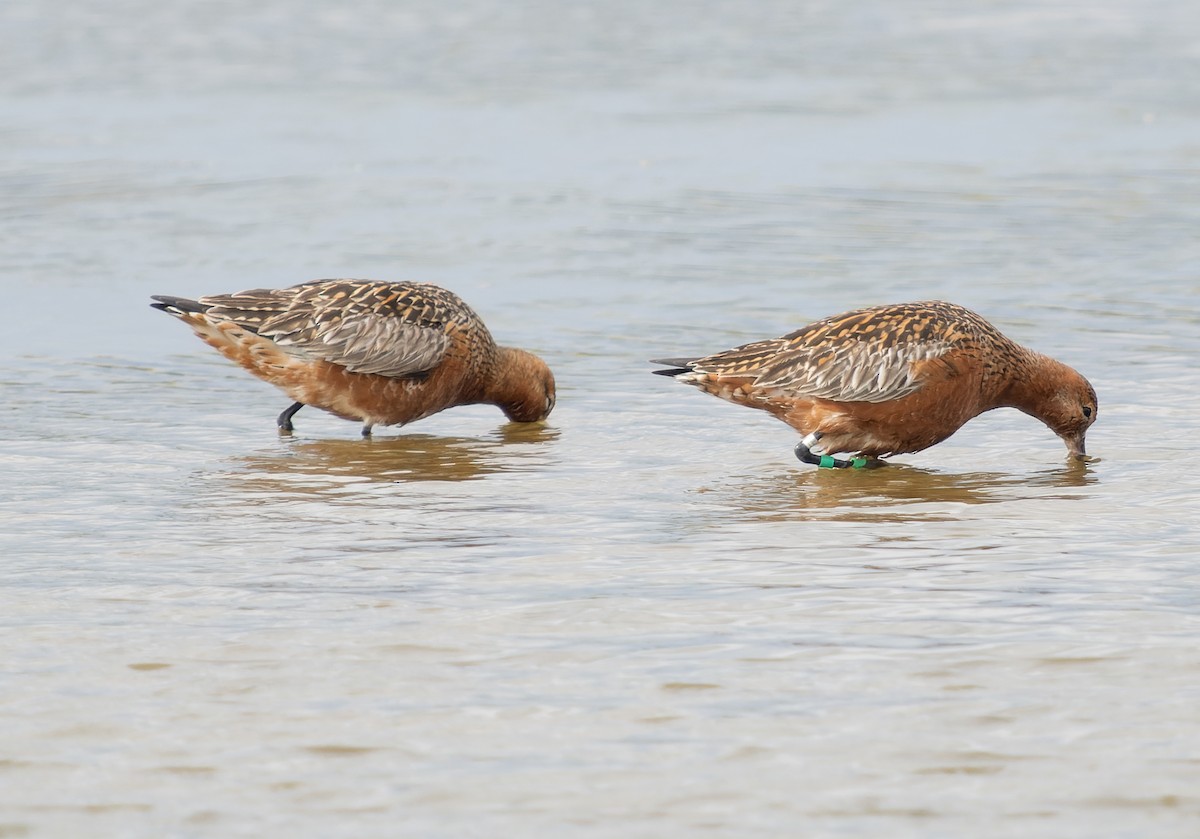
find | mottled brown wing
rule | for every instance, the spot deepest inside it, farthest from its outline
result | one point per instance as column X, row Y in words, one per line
column 854, row 372
column 746, row 360
column 868, row 355
column 389, row 329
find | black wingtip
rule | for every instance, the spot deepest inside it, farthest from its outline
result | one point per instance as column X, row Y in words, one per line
column 171, row 305
column 678, row 366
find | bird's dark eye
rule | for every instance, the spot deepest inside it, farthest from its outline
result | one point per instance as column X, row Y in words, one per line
column 1087, row 411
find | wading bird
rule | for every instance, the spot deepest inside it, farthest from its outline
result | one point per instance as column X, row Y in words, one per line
column 892, row 380
column 375, row 352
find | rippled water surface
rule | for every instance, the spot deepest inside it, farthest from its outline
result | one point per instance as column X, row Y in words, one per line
column 644, row 618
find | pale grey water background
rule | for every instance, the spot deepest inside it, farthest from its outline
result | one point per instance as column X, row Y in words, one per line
column 645, row 619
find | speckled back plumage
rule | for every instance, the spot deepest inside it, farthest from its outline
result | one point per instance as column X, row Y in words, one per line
column 389, row 329
column 867, row 355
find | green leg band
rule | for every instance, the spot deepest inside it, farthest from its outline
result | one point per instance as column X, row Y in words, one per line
column 828, row 461
column 859, row 463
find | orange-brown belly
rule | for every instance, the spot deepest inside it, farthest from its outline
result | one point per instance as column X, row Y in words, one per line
column 374, row 399
column 899, row 426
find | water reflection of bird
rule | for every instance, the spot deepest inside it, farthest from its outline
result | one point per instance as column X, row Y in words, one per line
column 892, row 380
column 317, row 466
column 381, row 353
column 900, row 493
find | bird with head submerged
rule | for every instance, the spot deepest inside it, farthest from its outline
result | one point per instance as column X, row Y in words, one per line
column 892, row 379
column 376, row 352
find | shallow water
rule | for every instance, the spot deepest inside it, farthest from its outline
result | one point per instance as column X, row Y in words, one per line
column 644, row 618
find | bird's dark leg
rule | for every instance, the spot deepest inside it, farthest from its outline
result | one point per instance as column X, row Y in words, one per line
column 804, row 451
column 366, row 431
column 285, row 419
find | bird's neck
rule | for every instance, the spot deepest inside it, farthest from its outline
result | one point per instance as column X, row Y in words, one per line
column 1032, row 383
column 514, row 384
